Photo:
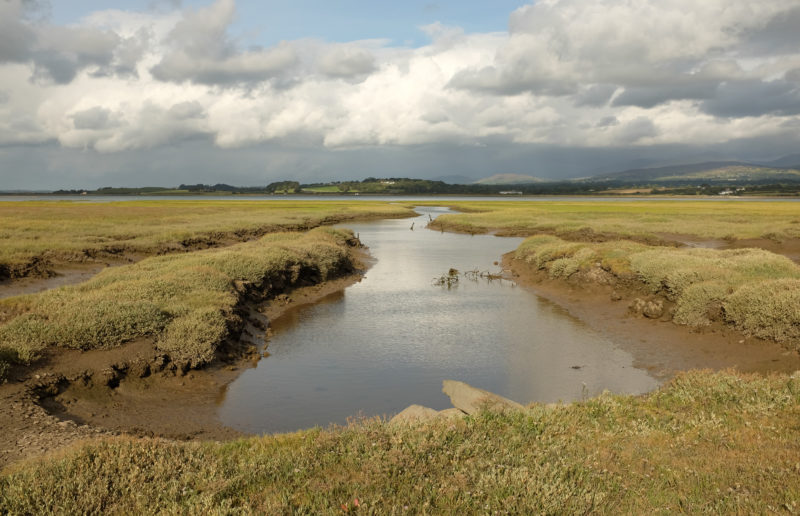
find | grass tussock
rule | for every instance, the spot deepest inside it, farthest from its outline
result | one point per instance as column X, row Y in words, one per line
column 756, row 291
column 588, row 220
column 705, row 442
column 35, row 233
column 185, row 302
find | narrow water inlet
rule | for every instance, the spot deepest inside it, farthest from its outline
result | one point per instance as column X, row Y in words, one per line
column 389, row 341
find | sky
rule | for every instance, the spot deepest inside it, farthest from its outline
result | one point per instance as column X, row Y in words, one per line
column 164, row 92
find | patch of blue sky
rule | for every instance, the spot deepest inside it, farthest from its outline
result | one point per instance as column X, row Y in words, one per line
column 268, row 22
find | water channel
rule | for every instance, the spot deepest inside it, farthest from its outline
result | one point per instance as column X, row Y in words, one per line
column 389, row 341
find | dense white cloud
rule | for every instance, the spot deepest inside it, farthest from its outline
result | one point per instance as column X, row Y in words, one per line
column 570, row 73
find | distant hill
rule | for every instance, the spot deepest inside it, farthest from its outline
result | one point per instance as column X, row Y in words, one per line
column 791, row 161
column 708, row 171
column 453, row 179
column 508, row 179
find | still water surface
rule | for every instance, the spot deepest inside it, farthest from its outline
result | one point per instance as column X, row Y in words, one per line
column 389, row 341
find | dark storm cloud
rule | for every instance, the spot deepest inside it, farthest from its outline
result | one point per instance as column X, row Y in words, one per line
column 781, row 35
column 754, row 98
column 50, row 166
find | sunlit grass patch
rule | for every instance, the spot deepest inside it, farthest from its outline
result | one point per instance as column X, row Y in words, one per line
column 722, row 442
column 641, row 219
column 756, row 291
column 76, row 231
column 185, row 302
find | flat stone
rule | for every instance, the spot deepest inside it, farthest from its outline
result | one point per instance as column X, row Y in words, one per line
column 451, row 413
column 471, row 399
column 414, row 414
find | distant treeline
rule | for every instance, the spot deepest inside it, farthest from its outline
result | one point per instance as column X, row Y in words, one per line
column 407, row 186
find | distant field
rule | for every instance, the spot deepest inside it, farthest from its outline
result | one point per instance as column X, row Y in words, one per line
column 62, row 231
column 323, row 189
column 707, row 219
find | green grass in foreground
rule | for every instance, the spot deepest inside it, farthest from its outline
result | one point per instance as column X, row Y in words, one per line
column 756, row 291
column 722, row 219
column 63, row 231
column 720, row 443
column 185, row 302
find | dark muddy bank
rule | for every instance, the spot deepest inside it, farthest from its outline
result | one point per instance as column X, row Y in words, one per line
column 71, row 395
column 641, row 323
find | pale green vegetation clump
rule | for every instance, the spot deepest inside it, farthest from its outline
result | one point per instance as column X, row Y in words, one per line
column 705, row 442
column 60, row 231
column 640, row 219
column 756, row 291
column 185, row 302
column 562, row 258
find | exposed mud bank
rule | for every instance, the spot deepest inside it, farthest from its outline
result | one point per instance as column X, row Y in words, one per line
column 58, row 278
column 789, row 247
column 642, row 323
column 135, row 389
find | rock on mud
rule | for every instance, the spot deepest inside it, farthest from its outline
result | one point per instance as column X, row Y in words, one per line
column 650, row 309
column 414, row 414
column 471, row 399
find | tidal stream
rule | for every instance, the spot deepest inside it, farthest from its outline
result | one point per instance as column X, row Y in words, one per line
column 389, row 341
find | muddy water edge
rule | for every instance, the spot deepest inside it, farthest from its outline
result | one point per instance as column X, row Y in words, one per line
column 401, row 336
column 389, row 341
column 70, row 396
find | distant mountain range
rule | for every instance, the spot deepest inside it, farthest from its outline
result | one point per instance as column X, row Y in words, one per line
column 791, row 161
column 785, row 169
column 709, row 171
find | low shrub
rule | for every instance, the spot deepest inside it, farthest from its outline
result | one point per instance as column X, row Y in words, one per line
column 768, row 309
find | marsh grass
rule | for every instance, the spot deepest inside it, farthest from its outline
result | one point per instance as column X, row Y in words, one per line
column 705, row 442
column 756, row 291
column 641, row 219
column 184, row 301
column 61, row 231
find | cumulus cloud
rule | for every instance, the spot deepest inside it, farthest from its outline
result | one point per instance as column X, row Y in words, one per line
column 199, row 50
column 347, row 62
column 92, row 118
column 579, row 74
column 56, row 53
